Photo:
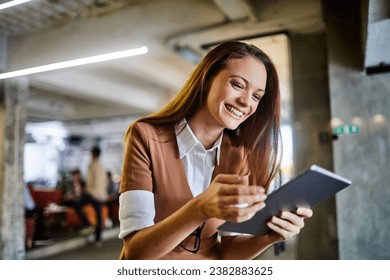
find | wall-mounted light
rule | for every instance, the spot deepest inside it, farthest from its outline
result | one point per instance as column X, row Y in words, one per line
column 335, row 122
column 75, row 62
column 379, row 119
column 10, row 4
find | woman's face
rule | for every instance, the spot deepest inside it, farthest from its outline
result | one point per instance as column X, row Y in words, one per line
column 236, row 92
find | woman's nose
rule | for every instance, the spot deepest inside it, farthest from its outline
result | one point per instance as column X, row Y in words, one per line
column 243, row 99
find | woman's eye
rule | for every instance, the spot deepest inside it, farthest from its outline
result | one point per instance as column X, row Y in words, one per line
column 257, row 97
column 237, row 85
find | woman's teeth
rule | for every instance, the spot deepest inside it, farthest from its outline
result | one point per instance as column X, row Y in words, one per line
column 234, row 111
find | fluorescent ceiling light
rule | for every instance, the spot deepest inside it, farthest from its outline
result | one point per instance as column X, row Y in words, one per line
column 75, row 62
column 12, row 3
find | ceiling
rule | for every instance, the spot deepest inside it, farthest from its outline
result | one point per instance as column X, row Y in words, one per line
column 175, row 31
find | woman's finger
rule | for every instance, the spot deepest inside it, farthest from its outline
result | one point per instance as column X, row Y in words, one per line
column 292, row 218
column 238, row 214
column 231, row 179
column 232, row 200
column 305, row 212
column 238, row 189
column 282, row 232
column 285, row 224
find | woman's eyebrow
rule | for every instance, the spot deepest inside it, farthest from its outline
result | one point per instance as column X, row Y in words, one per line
column 245, row 80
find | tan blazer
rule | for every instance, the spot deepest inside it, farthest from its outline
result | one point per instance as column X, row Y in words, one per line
column 152, row 163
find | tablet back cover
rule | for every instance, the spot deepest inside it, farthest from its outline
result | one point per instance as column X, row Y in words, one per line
column 306, row 190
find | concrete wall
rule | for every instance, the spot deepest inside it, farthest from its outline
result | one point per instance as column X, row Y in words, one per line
column 13, row 95
column 312, row 143
column 363, row 210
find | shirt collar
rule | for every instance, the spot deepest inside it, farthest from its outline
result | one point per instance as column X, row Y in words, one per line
column 187, row 141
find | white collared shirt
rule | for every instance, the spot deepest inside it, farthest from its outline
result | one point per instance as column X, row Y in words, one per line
column 197, row 161
column 137, row 209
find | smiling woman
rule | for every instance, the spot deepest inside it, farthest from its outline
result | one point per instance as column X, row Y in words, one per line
column 186, row 167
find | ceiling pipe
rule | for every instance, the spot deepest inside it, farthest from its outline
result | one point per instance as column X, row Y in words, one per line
column 237, row 12
column 237, row 9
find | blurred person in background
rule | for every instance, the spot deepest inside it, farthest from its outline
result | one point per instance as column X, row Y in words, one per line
column 112, row 201
column 75, row 195
column 97, row 188
column 37, row 215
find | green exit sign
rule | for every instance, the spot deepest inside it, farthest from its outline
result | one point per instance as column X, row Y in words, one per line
column 346, row 129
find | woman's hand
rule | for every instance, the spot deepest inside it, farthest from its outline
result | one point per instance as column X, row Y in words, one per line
column 288, row 224
column 231, row 199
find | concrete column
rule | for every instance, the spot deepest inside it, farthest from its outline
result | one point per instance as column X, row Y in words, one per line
column 312, row 138
column 13, row 95
column 363, row 209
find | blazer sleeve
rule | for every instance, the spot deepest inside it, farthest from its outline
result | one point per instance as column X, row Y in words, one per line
column 136, row 173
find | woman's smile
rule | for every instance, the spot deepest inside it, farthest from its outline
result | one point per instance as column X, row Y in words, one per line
column 234, row 111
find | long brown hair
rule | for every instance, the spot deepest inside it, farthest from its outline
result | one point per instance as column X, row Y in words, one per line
column 259, row 133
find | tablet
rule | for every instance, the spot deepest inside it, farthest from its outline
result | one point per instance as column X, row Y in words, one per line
column 306, row 190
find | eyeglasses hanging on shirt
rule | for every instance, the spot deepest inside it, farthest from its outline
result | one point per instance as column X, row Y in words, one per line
column 197, row 234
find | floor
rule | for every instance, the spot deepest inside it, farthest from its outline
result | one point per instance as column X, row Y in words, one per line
column 77, row 247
